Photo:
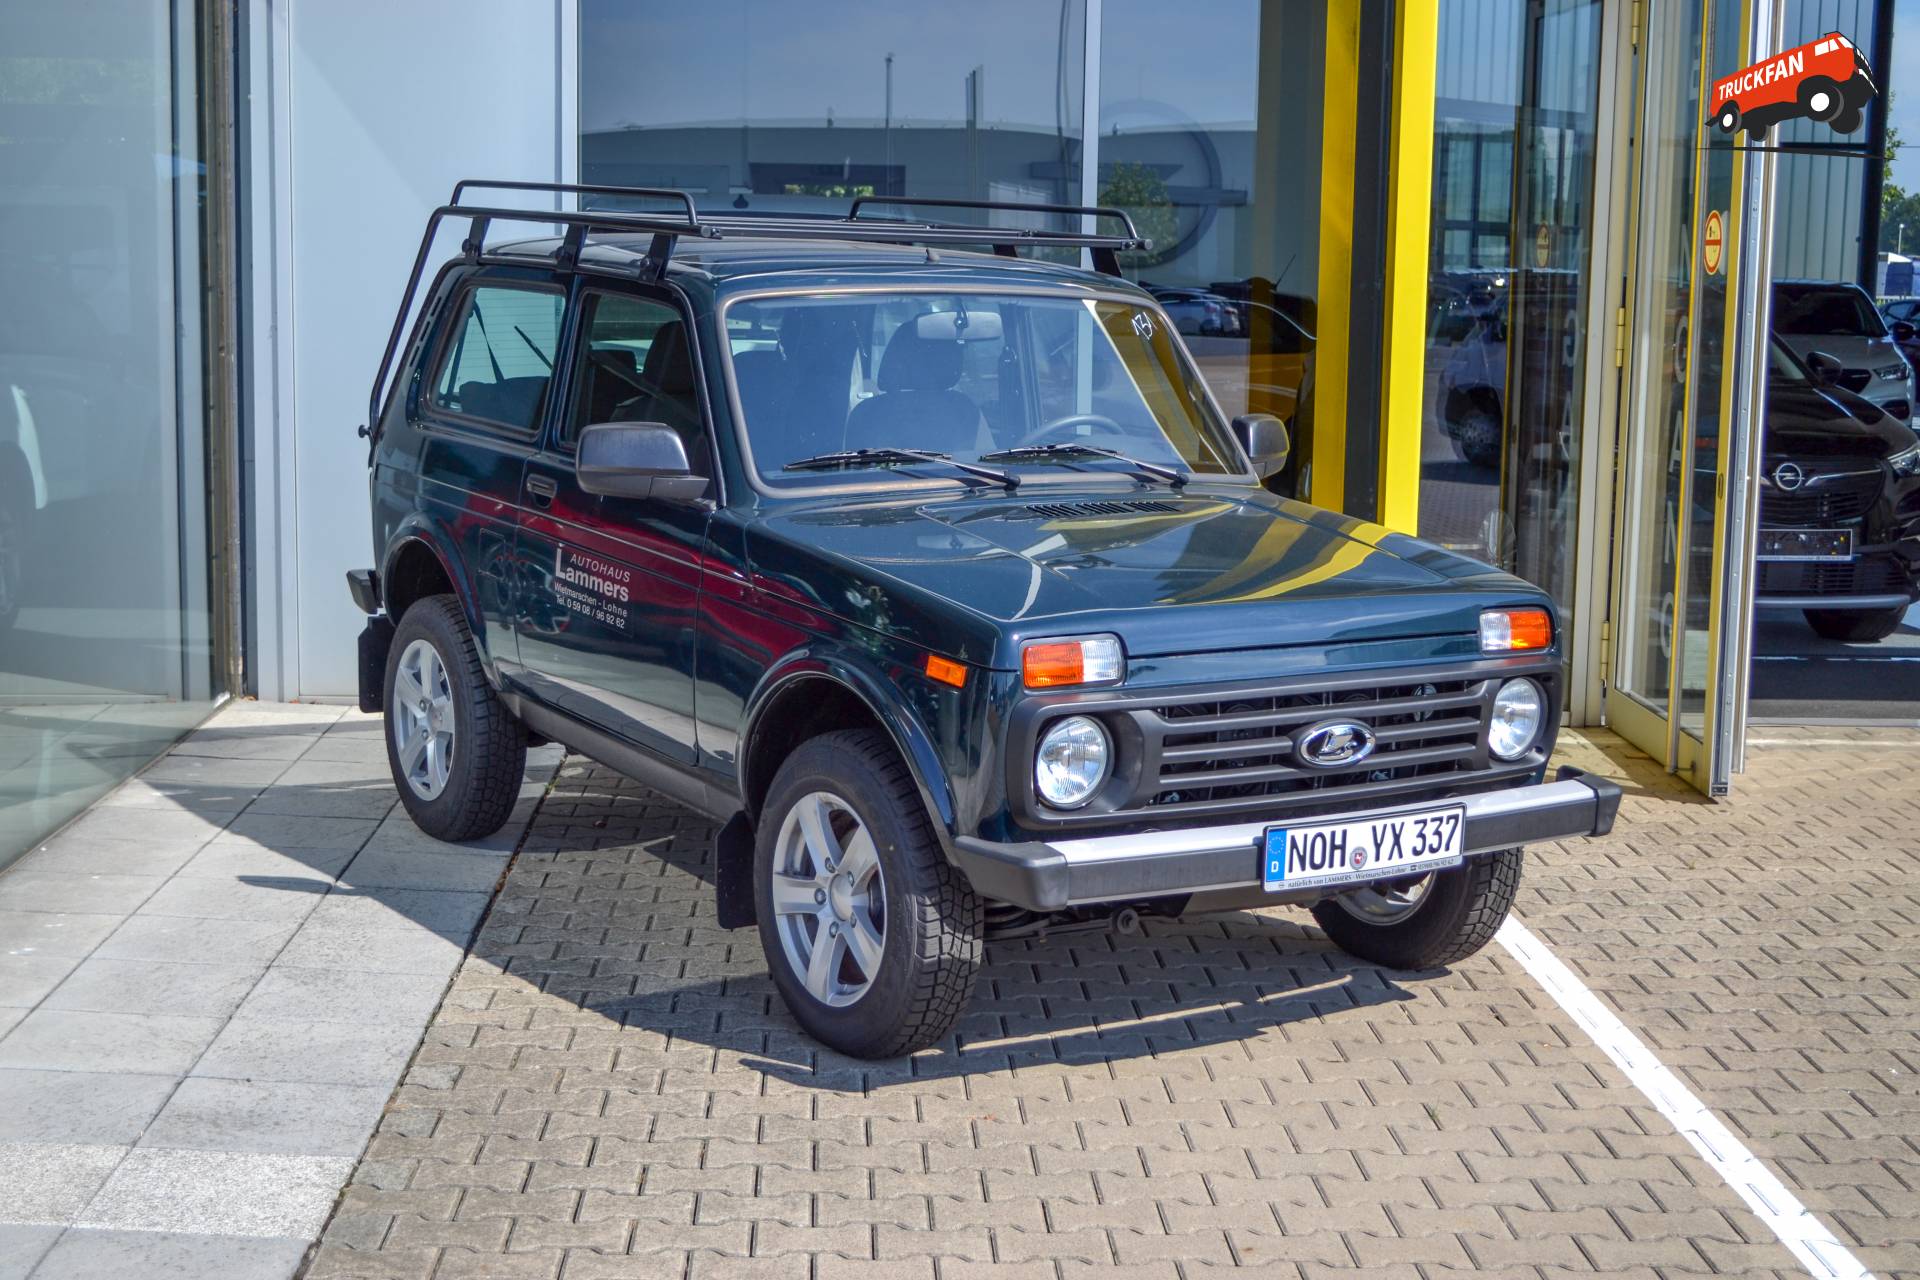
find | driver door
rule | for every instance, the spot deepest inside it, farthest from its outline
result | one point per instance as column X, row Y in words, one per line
column 609, row 637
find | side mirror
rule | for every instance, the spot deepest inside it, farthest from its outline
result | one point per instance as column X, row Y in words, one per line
column 636, row 460
column 1903, row 331
column 1265, row 439
column 1825, row 369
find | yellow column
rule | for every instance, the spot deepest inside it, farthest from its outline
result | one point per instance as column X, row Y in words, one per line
column 1334, row 305
column 1409, row 218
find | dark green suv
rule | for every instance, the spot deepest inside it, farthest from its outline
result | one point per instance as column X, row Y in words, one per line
column 934, row 574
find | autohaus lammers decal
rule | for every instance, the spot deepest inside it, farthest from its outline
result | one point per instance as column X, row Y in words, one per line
column 1826, row 80
column 592, row 587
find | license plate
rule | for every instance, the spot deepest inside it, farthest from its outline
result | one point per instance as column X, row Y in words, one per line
column 1354, row 851
column 1805, row 544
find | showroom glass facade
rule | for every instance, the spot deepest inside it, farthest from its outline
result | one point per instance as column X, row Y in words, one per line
column 107, row 562
column 755, row 104
column 1517, row 117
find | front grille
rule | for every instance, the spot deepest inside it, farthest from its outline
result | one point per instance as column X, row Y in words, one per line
column 1855, row 380
column 1232, row 751
column 1876, row 575
column 1823, row 498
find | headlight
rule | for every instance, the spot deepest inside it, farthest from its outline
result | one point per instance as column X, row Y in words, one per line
column 1891, row 372
column 1519, row 709
column 1072, row 762
column 1906, row 462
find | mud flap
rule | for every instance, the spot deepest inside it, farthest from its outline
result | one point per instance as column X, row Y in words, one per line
column 733, row 873
column 376, row 638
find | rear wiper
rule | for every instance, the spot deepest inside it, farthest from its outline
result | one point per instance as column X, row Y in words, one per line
column 1044, row 452
column 887, row 456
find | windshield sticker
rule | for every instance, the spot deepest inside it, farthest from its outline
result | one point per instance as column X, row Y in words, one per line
column 593, row 588
column 1143, row 324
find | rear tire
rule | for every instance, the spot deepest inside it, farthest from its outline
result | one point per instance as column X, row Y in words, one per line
column 899, row 965
column 457, row 754
column 1458, row 914
column 1861, row 628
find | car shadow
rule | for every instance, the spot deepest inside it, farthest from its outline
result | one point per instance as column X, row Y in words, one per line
column 608, row 908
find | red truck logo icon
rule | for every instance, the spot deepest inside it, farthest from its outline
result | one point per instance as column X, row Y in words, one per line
column 1827, row 79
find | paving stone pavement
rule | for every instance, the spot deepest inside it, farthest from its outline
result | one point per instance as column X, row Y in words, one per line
column 210, row 983
column 611, row 1087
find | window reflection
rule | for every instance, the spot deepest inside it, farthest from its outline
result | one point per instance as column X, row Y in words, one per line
column 105, row 653
column 1512, row 231
column 758, row 105
column 1233, row 210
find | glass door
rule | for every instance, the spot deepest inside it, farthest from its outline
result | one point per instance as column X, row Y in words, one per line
column 1679, row 574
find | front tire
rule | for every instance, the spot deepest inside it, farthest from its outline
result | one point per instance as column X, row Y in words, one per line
column 871, row 936
column 1861, row 628
column 457, row 754
column 1440, row 919
column 1729, row 118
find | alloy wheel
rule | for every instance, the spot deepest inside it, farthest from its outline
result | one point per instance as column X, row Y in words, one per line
column 829, row 899
column 1388, row 902
column 422, row 719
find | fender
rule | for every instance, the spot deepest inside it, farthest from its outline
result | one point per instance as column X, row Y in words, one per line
column 859, row 674
column 416, row 528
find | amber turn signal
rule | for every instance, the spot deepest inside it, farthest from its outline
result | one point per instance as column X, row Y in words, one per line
column 1515, row 630
column 1052, row 664
column 947, row 671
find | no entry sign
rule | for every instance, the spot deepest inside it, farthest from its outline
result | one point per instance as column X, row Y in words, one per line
column 1714, row 245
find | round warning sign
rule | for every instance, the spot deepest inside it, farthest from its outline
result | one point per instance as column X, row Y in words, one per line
column 1542, row 246
column 1715, row 244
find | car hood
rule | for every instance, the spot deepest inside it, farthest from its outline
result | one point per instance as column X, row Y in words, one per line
column 1809, row 421
column 1197, row 571
column 1850, row 350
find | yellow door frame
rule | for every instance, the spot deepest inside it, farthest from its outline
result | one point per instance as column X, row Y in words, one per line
column 1333, row 319
column 1403, row 403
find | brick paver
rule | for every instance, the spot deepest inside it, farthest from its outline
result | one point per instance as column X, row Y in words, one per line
column 612, row 1088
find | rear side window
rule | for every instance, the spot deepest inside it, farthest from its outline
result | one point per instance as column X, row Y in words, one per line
column 498, row 363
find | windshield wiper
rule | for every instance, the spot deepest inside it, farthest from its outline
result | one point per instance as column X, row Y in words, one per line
column 889, row 456
column 1046, row 452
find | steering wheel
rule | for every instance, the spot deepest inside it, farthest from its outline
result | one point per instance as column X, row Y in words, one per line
column 1098, row 421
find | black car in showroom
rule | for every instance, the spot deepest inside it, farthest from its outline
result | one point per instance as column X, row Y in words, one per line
column 1839, row 504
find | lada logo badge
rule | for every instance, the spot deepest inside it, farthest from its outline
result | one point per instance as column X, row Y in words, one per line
column 1335, row 744
column 1789, row 476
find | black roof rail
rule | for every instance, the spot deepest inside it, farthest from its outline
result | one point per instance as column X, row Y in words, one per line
column 668, row 226
column 1004, row 206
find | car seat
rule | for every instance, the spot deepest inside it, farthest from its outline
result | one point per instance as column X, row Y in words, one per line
column 917, row 407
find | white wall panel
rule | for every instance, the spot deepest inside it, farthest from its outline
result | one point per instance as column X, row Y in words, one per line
column 385, row 106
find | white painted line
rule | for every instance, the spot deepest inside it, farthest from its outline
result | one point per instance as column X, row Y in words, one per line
column 1819, row 1252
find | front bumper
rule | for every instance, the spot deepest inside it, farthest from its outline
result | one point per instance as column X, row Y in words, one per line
column 1051, row 875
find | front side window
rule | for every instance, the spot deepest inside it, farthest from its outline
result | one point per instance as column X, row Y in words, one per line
column 1006, row 381
column 636, row 365
column 498, row 365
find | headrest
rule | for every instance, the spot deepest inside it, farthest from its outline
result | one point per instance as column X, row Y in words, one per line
column 669, row 365
column 818, row 336
column 914, row 363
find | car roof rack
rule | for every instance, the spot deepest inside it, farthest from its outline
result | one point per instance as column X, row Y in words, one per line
column 667, row 226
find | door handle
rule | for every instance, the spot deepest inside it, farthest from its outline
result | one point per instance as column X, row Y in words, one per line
column 542, row 488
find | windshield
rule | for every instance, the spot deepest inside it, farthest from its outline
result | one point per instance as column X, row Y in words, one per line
column 1826, row 312
column 968, row 375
